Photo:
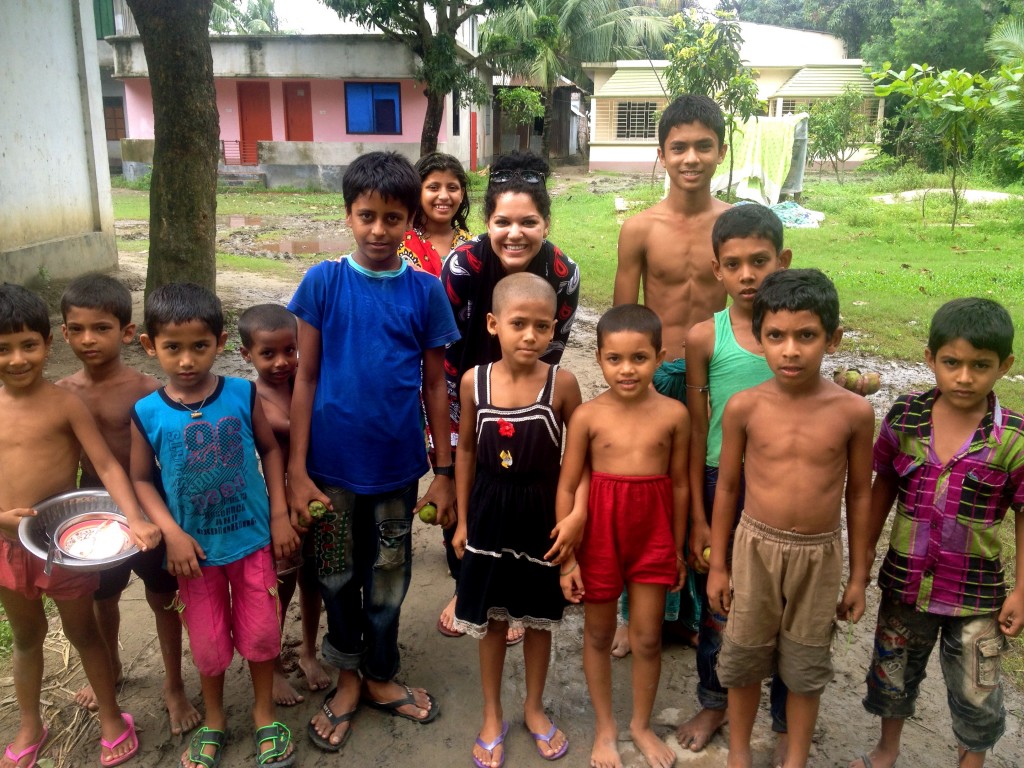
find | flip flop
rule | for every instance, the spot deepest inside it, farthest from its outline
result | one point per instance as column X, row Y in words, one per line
column 447, row 632
column 517, row 640
column 202, row 738
column 326, row 744
column 546, row 738
column 129, row 733
column 392, row 707
column 492, row 746
column 32, row 749
column 277, row 756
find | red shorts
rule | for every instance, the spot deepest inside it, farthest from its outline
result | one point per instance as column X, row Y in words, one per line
column 628, row 537
column 232, row 606
column 22, row 572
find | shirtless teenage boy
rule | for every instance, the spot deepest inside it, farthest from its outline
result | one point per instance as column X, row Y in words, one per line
column 667, row 248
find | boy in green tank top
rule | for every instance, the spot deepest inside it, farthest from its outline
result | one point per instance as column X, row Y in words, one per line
column 724, row 357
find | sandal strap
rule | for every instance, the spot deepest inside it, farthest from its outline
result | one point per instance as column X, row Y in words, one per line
column 277, row 733
column 204, row 737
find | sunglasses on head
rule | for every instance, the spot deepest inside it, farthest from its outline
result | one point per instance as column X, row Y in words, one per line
column 530, row 177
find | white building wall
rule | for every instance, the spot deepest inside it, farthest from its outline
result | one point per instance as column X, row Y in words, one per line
column 55, row 207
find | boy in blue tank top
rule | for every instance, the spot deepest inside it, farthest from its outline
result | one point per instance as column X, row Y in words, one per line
column 372, row 330
column 195, row 470
column 722, row 358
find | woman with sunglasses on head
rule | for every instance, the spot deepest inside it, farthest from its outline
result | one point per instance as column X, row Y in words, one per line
column 517, row 212
column 439, row 225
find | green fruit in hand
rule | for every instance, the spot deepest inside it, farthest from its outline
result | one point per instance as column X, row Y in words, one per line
column 874, row 383
column 428, row 513
column 316, row 509
column 852, row 379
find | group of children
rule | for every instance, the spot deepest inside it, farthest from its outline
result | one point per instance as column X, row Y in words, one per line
column 744, row 482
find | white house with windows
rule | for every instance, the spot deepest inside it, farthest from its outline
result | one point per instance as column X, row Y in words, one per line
column 297, row 109
column 795, row 68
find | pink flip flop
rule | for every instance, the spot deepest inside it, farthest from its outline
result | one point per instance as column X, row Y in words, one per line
column 129, row 733
column 29, row 750
column 490, row 747
column 546, row 738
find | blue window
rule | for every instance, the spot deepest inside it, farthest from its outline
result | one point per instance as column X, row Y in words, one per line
column 373, row 108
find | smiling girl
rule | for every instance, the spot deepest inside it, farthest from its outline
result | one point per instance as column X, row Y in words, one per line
column 517, row 210
column 439, row 225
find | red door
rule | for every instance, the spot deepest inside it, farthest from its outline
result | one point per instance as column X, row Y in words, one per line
column 298, row 112
column 253, row 118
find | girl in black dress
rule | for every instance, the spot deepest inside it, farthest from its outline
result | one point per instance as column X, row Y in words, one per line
column 510, row 440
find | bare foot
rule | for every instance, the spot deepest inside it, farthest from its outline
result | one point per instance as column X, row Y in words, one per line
column 606, row 750
column 180, row 712
column 657, row 753
column 86, row 698
column 446, row 621
column 781, row 750
column 317, row 678
column 696, row 732
column 491, row 735
column 514, row 635
column 620, row 643
column 284, row 694
column 876, row 758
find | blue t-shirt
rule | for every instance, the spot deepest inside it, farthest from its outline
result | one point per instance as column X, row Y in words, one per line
column 209, row 470
column 366, row 434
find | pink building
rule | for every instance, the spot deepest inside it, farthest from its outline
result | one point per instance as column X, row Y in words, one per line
column 297, row 109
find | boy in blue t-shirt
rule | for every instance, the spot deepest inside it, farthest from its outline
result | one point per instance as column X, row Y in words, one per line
column 371, row 331
column 195, row 470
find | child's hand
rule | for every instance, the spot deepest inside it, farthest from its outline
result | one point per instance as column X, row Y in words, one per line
column 11, row 518
column 301, row 493
column 441, row 494
column 572, row 583
column 700, row 540
column 680, row 574
column 719, row 593
column 567, row 535
column 459, row 539
column 851, row 606
column 283, row 535
column 183, row 555
column 145, row 534
column 1011, row 616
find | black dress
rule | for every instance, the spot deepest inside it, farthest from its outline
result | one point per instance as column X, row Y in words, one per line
column 511, row 514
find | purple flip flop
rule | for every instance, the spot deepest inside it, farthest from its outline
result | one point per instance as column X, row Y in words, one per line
column 492, row 746
column 546, row 738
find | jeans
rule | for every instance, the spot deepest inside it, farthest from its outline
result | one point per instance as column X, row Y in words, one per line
column 969, row 654
column 710, row 692
column 364, row 563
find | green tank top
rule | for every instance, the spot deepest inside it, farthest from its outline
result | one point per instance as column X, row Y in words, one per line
column 731, row 369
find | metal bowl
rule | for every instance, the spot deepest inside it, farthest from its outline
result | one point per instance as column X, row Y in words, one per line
column 57, row 513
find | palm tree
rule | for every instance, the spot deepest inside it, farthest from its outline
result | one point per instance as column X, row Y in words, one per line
column 544, row 40
column 257, row 17
column 1006, row 43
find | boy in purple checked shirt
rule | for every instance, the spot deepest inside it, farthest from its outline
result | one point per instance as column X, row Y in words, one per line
column 953, row 460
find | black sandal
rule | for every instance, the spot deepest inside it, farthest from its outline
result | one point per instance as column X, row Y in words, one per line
column 335, row 720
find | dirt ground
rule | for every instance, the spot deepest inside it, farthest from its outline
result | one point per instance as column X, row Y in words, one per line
column 448, row 667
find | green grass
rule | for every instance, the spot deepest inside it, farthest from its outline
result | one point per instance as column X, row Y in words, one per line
column 132, row 246
column 256, row 264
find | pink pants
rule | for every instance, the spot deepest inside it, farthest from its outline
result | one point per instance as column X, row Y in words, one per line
column 232, row 606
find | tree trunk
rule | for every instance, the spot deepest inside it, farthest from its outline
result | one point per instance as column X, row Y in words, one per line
column 545, row 137
column 432, row 122
column 186, row 129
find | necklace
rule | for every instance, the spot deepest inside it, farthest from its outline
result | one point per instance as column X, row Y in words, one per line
column 198, row 412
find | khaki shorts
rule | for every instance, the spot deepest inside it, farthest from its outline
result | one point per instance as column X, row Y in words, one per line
column 785, row 588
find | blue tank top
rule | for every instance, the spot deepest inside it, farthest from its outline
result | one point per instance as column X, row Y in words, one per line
column 209, row 470
column 731, row 369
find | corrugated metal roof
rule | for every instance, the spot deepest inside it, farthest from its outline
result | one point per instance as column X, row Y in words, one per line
column 634, row 82
column 825, row 81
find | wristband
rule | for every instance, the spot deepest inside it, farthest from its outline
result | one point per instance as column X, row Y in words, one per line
column 448, row 471
column 566, row 573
